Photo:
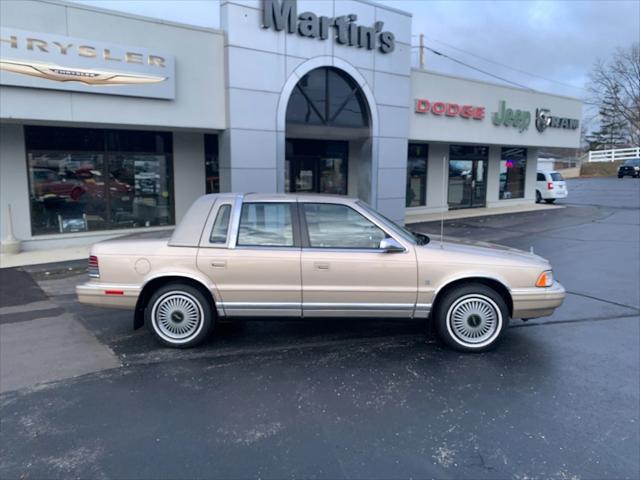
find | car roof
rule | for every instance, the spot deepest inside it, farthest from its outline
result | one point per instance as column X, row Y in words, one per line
column 286, row 197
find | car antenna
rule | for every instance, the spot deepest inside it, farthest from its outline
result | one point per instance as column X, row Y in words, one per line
column 444, row 164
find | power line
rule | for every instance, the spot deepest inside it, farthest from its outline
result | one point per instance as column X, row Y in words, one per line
column 505, row 65
column 476, row 68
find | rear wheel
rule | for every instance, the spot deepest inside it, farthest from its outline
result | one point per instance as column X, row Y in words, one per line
column 471, row 318
column 620, row 176
column 550, row 200
column 538, row 196
column 179, row 315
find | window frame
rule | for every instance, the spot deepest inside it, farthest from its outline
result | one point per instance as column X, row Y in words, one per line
column 236, row 216
column 107, row 152
column 306, row 242
column 424, row 178
column 523, row 181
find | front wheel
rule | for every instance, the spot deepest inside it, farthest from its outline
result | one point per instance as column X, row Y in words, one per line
column 620, row 176
column 179, row 316
column 471, row 318
column 550, row 200
column 538, row 196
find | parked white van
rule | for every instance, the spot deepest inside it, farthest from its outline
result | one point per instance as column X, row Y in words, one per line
column 550, row 186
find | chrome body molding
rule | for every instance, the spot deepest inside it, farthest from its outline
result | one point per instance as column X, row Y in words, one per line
column 408, row 310
column 127, row 289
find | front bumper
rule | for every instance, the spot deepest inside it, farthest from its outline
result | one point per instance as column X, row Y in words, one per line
column 537, row 302
column 108, row 294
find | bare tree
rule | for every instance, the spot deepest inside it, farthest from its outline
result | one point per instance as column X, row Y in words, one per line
column 615, row 88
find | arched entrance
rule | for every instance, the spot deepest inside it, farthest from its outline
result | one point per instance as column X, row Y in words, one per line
column 328, row 135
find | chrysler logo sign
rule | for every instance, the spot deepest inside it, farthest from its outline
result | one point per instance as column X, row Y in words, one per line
column 283, row 14
column 64, row 74
column 41, row 60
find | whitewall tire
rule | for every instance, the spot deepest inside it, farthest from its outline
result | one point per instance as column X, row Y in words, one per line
column 471, row 318
column 179, row 315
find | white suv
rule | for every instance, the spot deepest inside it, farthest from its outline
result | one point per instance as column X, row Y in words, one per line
column 550, row 186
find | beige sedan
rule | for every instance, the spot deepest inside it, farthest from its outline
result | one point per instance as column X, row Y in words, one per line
column 261, row 255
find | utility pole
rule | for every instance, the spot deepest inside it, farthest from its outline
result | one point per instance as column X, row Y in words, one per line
column 422, row 51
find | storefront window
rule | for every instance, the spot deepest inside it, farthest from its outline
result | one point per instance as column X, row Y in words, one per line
column 211, row 165
column 90, row 179
column 417, row 175
column 513, row 167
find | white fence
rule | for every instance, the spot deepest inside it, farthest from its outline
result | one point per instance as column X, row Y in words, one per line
column 614, row 154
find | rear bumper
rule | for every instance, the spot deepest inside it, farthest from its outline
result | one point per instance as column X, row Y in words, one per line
column 537, row 302
column 557, row 193
column 108, row 295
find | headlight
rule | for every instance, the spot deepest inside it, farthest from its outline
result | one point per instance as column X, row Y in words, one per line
column 545, row 279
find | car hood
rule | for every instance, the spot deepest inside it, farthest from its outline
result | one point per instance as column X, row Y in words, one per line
column 484, row 252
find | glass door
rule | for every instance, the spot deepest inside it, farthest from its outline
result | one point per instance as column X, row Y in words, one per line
column 467, row 176
column 316, row 166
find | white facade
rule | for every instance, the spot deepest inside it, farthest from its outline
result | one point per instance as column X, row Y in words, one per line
column 236, row 83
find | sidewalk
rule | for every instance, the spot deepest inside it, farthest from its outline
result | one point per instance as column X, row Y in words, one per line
column 37, row 257
column 477, row 212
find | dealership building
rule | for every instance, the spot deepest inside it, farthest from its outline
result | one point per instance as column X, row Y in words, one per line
column 112, row 123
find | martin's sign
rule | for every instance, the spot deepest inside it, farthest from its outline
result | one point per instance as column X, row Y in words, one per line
column 281, row 15
column 39, row 60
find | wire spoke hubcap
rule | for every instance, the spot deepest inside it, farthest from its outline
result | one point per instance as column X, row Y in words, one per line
column 474, row 320
column 177, row 316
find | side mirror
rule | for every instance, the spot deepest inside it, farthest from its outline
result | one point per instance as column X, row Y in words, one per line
column 391, row 245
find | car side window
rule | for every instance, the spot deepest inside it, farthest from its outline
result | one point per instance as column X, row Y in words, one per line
column 541, row 177
column 265, row 225
column 340, row 226
column 221, row 225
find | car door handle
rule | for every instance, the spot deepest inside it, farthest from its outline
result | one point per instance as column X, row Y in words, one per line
column 219, row 263
column 320, row 266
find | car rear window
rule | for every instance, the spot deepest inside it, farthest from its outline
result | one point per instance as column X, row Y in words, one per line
column 556, row 177
column 634, row 162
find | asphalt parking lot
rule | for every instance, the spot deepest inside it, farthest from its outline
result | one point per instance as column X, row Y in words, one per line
column 559, row 399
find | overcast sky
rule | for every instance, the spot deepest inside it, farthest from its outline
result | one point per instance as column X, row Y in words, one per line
column 557, row 40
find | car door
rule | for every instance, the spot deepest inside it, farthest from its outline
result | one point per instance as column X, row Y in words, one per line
column 345, row 273
column 257, row 270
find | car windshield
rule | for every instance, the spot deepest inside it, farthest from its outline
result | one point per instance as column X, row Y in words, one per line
column 391, row 225
column 556, row 177
column 634, row 162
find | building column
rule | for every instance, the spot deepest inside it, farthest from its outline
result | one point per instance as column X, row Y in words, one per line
column 189, row 180
column 493, row 176
column 254, row 78
column 14, row 182
column 531, row 174
column 438, row 177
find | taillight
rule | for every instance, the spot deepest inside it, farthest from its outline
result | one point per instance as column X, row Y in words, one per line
column 92, row 268
column 549, row 185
